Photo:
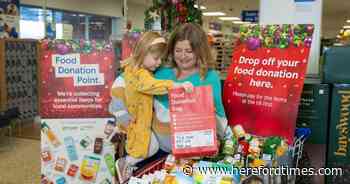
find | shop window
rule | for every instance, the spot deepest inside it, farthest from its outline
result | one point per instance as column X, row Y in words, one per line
column 99, row 28
column 31, row 23
column 63, row 24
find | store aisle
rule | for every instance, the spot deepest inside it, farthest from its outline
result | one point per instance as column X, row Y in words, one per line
column 20, row 164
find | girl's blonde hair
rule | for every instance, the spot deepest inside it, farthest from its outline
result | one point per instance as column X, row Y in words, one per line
column 199, row 42
column 145, row 45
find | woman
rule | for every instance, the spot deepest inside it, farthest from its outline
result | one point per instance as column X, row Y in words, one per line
column 190, row 60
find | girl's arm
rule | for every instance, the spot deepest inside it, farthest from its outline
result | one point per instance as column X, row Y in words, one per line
column 146, row 83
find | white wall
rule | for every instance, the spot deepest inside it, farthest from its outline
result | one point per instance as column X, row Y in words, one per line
column 289, row 12
column 111, row 8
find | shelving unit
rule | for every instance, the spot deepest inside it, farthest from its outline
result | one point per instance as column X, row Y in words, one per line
column 224, row 45
column 18, row 76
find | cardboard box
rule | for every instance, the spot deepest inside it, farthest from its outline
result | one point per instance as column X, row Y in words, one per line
column 335, row 66
column 339, row 142
column 313, row 110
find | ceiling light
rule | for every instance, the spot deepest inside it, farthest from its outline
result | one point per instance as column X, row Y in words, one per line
column 202, row 7
column 346, row 27
column 348, row 21
column 229, row 18
column 240, row 22
column 214, row 14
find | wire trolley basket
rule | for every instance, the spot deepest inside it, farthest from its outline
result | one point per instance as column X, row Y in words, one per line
column 294, row 154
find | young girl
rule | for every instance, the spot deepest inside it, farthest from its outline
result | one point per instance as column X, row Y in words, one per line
column 140, row 86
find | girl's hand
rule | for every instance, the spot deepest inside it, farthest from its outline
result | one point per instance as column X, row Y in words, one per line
column 188, row 86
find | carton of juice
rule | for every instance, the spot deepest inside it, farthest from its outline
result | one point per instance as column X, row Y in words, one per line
column 51, row 136
column 70, row 147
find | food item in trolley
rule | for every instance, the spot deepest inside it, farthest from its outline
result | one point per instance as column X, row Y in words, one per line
column 134, row 180
column 110, row 163
column 229, row 148
column 50, row 134
column 98, row 146
column 61, row 180
column 170, row 163
column 239, row 132
column 70, row 147
column 72, row 171
column 85, row 142
column 110, row 125
column 46, row 155
column 89, row 168
column 158, row 177
column 178, row 178
column 60, row 164
column 231, row 177
column 106, row 181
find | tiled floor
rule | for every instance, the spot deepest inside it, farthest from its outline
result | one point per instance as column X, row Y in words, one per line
column 20, row 157
column 20, row 161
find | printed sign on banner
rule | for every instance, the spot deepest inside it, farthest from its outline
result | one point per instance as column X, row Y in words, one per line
column 75, row 84
column 193, row 122
column 264, row 83
column 77, row 151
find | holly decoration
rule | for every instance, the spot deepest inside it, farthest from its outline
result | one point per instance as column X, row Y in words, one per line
column 172, row 13
column 276, row 36
column 70, row 46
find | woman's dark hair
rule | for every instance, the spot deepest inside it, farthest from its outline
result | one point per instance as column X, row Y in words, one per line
column 199, row 43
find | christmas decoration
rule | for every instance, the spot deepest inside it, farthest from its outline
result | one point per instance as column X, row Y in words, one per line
column 69, row 46
column 253, row 43
column 172, row 13
column 276, row 36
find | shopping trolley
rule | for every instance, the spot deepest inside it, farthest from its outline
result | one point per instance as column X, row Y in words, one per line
column 295, row 153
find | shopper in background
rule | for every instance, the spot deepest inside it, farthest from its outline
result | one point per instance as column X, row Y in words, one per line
column 190, row 60
column 140, row 86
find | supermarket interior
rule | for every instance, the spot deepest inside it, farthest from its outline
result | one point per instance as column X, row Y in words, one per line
column 174, row 91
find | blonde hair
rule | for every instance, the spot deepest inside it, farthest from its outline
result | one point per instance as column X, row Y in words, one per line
column 148, row 43
column 199, row 43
